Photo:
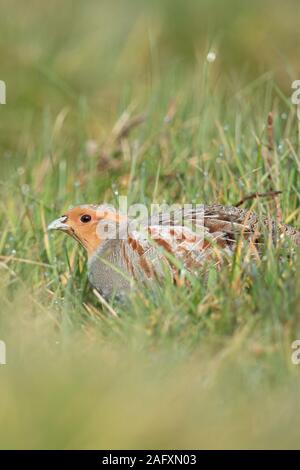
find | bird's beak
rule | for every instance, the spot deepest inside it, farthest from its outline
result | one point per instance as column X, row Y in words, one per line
column 59, row 224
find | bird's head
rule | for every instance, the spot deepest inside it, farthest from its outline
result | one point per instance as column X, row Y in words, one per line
column 90, row 225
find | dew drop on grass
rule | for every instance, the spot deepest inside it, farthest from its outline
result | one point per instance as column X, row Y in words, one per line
column 280, row 148
column 115, row 189
column 211, row 56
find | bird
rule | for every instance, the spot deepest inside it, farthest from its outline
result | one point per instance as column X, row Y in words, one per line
column 122, row 251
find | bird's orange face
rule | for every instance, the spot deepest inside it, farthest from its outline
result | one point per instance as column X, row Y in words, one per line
column 81, row 223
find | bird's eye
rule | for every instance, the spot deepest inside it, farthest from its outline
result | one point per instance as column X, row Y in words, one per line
column 85, row 218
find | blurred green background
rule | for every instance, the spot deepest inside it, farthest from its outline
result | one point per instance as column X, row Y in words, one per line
column 109, row 53
column 206, row 367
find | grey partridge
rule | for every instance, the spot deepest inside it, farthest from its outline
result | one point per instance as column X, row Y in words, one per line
column 119, row 252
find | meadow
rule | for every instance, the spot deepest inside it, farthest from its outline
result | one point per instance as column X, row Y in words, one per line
column 163, row 102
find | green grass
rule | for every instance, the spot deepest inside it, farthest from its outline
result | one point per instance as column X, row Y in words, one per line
column 205, row 366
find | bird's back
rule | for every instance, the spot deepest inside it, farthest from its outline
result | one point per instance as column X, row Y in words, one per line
column 193, row 236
